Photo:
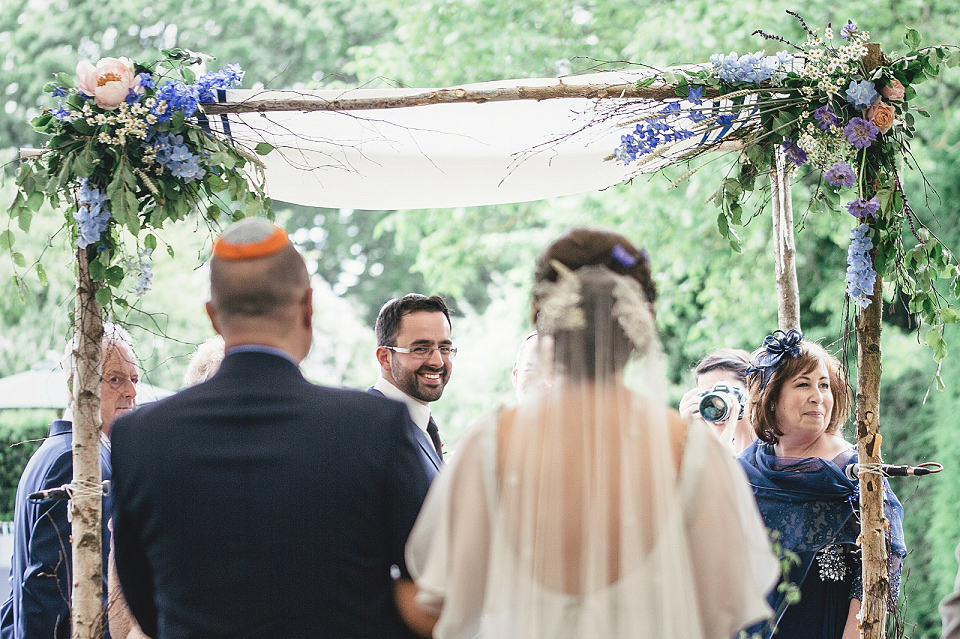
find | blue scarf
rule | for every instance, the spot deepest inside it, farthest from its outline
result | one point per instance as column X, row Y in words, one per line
column 812, row 504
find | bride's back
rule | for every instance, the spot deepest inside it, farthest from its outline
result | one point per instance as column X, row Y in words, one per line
column 578, row 498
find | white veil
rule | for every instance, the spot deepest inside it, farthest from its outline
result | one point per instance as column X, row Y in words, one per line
column 573, row 514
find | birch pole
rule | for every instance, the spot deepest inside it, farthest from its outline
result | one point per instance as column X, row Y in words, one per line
column 87, row 614
column 784, row 248
column 873, row 523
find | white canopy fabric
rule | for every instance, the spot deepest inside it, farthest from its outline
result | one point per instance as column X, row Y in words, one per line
column 444, row 155
column 45, row 386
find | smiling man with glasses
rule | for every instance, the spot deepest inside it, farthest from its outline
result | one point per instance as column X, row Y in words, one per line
column 416, row 354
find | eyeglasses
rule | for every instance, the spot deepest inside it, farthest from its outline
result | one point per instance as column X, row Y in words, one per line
column 424, row 352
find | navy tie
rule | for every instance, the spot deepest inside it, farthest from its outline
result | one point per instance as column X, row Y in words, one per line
column 434, row 433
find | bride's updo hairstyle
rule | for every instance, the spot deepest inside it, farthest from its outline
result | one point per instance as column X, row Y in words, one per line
column 599, row 346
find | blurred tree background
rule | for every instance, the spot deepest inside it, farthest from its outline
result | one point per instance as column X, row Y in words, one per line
column 481, row 258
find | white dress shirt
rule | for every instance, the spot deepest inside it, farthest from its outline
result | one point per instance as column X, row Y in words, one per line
column 419, row 413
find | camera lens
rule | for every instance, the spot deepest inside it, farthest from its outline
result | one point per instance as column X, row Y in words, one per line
column 714, row 407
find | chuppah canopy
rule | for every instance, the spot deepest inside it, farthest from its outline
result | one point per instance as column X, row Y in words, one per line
column 447, row 155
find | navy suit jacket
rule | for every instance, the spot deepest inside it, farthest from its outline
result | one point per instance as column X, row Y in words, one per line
column 428, row 452
column 257, row 504
column 40, row 574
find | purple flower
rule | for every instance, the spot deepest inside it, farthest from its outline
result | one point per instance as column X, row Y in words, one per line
column 848, row 29
column 146, row 80
column 861, row 94
column 861, row 208
column 825, row 117
column 60, row 113
column 59, row 92
column 860, row 133
column 841, row 174
column 795, row 154
column 695, row 95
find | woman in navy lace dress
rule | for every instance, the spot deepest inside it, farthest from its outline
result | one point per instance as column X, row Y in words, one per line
column 799, row 402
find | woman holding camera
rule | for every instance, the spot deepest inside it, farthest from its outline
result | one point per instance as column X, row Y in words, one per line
column 799, row 401
column 721, row 390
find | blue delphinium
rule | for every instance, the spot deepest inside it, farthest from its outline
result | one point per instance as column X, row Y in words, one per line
column 860, row 273
column 861, row 94
column 752, row 68
column 209, row 82
column 176, row 96
column 146, row 80
column 145, row 273
column 91, row 216
column 650, row 134
column 60, row 113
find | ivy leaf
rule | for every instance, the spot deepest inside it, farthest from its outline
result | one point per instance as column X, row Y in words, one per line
column 42, row 274
column 263, row 148
column 6, row 240
column 912, row 38
column 104, row 295
column 114, row 275
column 150, row 242
column 97, row 271
column 19, row 260
column 26, row 216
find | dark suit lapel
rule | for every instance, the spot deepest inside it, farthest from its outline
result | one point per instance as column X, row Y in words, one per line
column 422, row 438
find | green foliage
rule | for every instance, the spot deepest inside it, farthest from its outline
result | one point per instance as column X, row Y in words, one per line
column 149, row 155
column 21, row 432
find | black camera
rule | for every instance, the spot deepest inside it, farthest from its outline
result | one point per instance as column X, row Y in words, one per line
column 715, row 403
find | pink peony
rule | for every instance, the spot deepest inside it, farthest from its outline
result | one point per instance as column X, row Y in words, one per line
column 109, row 82
column 881, row 114
column 893, row 92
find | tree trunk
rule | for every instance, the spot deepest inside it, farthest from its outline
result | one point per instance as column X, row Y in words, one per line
column 87, row 595
column 784, row 248
column 876, row 578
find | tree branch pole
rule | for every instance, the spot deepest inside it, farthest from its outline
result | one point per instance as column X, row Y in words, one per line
column 873, row 523
column 453, row 96
column 784, row 247
column 87, row 614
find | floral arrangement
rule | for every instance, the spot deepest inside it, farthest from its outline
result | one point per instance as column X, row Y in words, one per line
column 129, row 148
column 836, row 106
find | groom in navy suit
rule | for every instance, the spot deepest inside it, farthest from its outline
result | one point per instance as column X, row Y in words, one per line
column 416, row 354
column 257, row 504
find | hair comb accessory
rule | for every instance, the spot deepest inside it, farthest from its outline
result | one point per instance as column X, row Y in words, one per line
column 250, row 238
column 560, row 309
column 775, row 346
column 623, row 257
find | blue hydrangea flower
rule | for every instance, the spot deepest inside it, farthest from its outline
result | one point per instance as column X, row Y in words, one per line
column 860, row 276
column 861, row 208
column 861, row 94
column 91, row 216
column 860, row 133
column 841, row 175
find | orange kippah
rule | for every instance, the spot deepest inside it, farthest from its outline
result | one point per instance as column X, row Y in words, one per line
column 250, row 238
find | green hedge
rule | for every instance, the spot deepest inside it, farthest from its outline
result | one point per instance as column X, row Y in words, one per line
column 21, row 432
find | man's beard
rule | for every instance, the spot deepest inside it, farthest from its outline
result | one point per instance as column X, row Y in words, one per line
column 409, row 381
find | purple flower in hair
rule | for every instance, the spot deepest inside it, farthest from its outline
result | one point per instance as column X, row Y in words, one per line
column 623, row 257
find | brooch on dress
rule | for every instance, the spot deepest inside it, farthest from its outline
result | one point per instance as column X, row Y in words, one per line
column 831, row 563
